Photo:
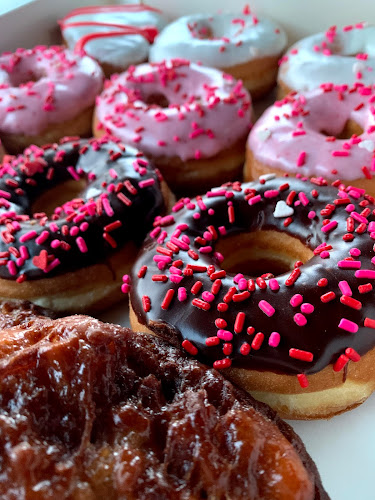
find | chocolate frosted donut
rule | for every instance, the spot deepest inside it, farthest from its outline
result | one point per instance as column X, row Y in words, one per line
column 93, row 410
column 73, row 258
column 293, row 340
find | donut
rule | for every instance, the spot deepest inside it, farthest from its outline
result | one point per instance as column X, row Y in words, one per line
column 325, row 132
column 116, row 36
column 272, row 282
column 70, row 255
column 46, row 93
column 239, row 44
column 178, row 114
column 130, row 418
column 339, row 56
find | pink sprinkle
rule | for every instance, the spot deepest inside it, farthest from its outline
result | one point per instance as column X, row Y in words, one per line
column 81, row 244
column 73, row 173
column 329, row 227
column 28, row 236
column 324, row 254
column 125, row 288
column 55, row 243
column 225, row 335
column 349, row 264
column 359, row 218
column 274, row 339
column 349, row 326
column 301, row 159
column 296, row 300
column 254, row 200
column 175, row 278
column 371, row 227
column 181, row 294
column 5, row 194
column 208, row 296
column 307, row 308
column 311, row 214
column 345, row 288
column 146, row 183
column 24, row 252
column 365, row 273
column 266, row 308
column 107, row 207
column 303, row 199
column 12, row 268
column 300, row 319
column 271, row 193
column 42, row 237
column 340, row 153
column 274, row 285
column 242, row 284
column 52, row 265
column 349, row 208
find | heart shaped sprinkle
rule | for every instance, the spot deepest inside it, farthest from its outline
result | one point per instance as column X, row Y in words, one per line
column 367, row 144
column 282, row 210
column 41, row 260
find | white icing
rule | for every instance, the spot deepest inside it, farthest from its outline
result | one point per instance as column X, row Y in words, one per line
column 308, row 68
column 120, row 51
column 282, row 210
column 245, row 42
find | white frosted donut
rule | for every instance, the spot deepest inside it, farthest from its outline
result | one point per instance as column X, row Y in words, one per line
column 114, row 35
column 339, row 56
column 224, row 41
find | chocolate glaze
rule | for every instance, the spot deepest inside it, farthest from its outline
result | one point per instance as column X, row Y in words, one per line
column 321, row 335
column 92, row 410
column 108, row 168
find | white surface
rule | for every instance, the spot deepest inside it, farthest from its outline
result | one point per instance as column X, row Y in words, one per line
column 344, row 447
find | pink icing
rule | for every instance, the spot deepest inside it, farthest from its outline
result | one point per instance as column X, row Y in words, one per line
column 45, row 85
column 208, row 111
column 288, row 136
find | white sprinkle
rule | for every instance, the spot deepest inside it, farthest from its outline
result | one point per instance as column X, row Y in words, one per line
column 358, row 67
column 267, row 177
column 367, row 144
column 282, row 210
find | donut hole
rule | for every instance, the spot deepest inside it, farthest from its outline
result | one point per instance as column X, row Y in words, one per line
column 350, row 128
column 22, row 77
column 262, row 252
column 156, row 99
column 57, row 196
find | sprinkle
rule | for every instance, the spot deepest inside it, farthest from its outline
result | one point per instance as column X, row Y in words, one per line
column 307, row 308
column 254, row 200
column 181, row 294
column 189, row 347
column 245, row 349
column 222, row 363
column 274, row 285
column 211, row 341
column 327, row 297
column 301, row 355
column 369, row 323
column 349, row 264
column 167, row 299
column 365, row 288
column 345, row 288
column 300, row 319
column 296, row 300
column 350, row 302
column 301, row 159
column 348, row 325
column 257, row 341
column 329, row 227
column 146, row 303
column 201, row 304
column 274, row 339
column 340, row 363
column 302, row 379
column 293, row 277
column 303, row 199
column 225, row 335
column 28, row 236
column 239, row 322
column 365, row 273
column 352, row 354
column 81, row 244
column 266, row 308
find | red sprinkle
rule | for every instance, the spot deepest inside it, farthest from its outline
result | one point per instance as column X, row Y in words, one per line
column 189, row 347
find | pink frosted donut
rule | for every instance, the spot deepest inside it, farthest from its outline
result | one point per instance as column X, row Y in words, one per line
column 191, row 120
column 45, row 93
column 326, row 132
